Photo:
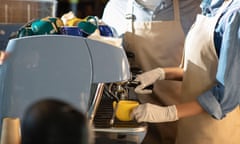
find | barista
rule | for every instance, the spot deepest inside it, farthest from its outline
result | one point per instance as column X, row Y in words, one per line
column 210, row 84
column 155, row 34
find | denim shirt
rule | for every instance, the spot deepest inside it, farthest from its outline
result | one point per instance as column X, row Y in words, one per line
column 225, row 95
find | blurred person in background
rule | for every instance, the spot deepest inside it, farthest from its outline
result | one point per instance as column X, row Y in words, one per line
column 52, row 121
column 208, row 112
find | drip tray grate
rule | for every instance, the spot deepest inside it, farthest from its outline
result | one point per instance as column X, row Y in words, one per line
column 104, row 115
column 120, row 132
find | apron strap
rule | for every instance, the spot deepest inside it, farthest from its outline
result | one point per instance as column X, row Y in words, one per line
column 176, row 10
column 225, row 4
column 130, row 15
column 131, row 18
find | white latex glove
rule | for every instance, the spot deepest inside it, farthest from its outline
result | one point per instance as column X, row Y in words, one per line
column 154, row 114
column 148, row 78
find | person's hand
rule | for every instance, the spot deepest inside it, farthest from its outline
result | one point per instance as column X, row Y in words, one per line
column 3, row 56
column 154, row 114
column 148, row 78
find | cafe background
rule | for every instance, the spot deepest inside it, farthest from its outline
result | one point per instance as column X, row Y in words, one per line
column 21, row 11
column 15, row 13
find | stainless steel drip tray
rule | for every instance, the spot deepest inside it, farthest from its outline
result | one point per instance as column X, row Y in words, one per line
column 119, row 135
column 103, row 123
column 120, row 132
column 121, row 129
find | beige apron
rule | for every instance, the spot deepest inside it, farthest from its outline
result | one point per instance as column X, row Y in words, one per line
column 158, row 44
column 200, row 65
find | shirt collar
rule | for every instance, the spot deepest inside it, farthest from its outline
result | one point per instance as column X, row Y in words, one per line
column 207, row 6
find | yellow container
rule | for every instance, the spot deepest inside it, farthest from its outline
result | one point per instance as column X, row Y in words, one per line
column 124, row 109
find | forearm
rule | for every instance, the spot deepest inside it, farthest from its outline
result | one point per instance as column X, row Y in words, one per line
column 173, row 73
column 189, row 109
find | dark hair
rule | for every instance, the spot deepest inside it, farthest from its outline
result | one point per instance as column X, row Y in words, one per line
column 54, row 122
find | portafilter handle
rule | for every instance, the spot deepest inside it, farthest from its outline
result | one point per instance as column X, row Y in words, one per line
column 134, row 84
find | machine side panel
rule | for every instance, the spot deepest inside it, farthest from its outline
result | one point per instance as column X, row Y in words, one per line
column 42, row 67
column 110, row 63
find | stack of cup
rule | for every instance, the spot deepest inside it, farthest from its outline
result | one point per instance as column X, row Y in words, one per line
column 123, row 109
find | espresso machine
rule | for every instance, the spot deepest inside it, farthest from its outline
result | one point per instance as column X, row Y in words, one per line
column 86, row 73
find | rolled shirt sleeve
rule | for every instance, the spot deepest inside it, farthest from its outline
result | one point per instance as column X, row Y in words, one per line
column 225, row 95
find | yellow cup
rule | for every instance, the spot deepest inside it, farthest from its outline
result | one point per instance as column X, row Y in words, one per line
column 124, row 109
column 73, row 21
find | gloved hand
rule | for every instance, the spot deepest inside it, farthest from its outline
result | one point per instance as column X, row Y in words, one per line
column 148, row 78
column 154, row 114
